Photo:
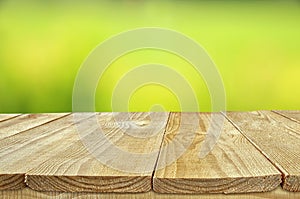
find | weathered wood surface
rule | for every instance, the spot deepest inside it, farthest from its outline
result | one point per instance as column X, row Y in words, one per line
column 14, row 133
column 25, row 150
column 293, row 115
column 233, row 166
column 7, row 116
column 25, row 122
column 277, row 137
column 47, row 152
column 73, row 168
column 32, row 194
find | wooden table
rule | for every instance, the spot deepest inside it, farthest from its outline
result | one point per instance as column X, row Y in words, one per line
column 63, row 155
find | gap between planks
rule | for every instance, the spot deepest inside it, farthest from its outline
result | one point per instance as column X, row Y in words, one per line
column 233, row 166
column 157, row 157
column 21, row 123
column 277, row 136
column 4, row 117
column 292, row 115
column 76, row 170
column 283, row 172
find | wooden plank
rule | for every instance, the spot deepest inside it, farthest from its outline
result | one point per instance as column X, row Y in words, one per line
column 4, row 117
column 277, row 137
column 74, row 169
column 293, row 115
column 22, row 151
column 25, row 122
column 233, row 166
column 31, row 194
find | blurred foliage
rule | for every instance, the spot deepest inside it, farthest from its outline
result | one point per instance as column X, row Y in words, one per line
column 255, row 45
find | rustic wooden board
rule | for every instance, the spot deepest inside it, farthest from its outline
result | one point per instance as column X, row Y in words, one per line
column 277, row 137
column 31, row 194
column 49, row 151
column 25, row 122
column 4, row 117
column 24, row 150
column 293, row 115
column 233, row 166
column 72, row 168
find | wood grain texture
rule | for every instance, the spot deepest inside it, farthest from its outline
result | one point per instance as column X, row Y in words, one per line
column 22, row 151
column 4, row 117
column 277, row 137
column 31, row 194
column 24, row 122
column 73, row 168
column 233, row 166
column 293, row 115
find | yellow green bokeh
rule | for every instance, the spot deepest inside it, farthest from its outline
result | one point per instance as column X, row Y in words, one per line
column 254, row 44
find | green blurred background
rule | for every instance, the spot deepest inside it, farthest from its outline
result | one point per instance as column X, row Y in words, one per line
column 255, row 45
